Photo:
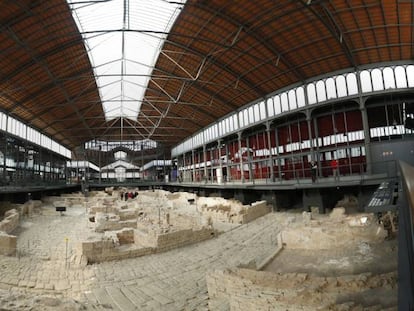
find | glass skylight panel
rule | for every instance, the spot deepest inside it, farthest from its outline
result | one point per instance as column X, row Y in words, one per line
column 123, row 38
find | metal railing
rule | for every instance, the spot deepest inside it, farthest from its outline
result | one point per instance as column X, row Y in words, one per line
column 406, row 240
column 300, row 174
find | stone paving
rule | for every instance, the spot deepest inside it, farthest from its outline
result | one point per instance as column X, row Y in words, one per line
column 47, row 264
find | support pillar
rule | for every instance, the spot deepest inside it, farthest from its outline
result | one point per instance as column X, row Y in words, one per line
column 239, row 134
column 269, row 144
column 365, row 125
column 205, row 177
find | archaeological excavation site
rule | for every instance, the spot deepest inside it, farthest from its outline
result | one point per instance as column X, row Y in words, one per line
column 133, row 249
column 193, row 155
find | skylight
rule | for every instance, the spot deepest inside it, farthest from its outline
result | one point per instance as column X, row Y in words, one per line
column 123, row 38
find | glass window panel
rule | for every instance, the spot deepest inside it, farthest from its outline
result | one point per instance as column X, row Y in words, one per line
column 292, row 100
column 401, row 79
column 352, row 83
column 278, row 108
column 285, row 103
column 410, row 75
column 220, row 128
column 300, row 96
column 320, row 91
column 366, row 84
column 235, row 122
column 270, row 107
column 15, row 127
column 10, row 124
column 123, row 46
column 22, row 130
column 216, row 134
column 341, row 86
column 241, row 119
column 3, row 121
column 256, row 113
column 389, row 80
column 330, row 88
column 377, row 81
column 311, row 93
column 231, row 125
column 262, row 111
column 246, row 117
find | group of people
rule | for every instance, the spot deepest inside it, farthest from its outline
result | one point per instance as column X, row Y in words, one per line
column 128, row 195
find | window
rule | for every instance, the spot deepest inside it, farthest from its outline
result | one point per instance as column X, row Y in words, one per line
column 400, row 77
column 278, row 107
column 410, row 75
column 389, row 80
column 377, row 81
column 300, row 96
column 285, row 102
column 292, row 100
column 320, row 91
column 341, row 86
column 262, row 108
column 311, row 93
column 366, row 84
column 352, row 83
column 330, row 88
column 235, row 122
column 246, row 117
column 241, row 120
column 270, row 107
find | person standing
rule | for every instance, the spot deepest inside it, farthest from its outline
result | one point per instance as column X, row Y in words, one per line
column 314, row 170
column 334, row 166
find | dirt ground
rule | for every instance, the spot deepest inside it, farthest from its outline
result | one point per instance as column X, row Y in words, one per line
column 375, row 258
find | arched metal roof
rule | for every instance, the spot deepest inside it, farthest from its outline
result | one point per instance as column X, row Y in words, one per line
column 217, row 57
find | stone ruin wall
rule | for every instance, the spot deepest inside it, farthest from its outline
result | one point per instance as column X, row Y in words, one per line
column 337, row 230
column 231, row 211
column 111, row 214
column 10, row 221
column 249, row 290
column 143, row 244
column 106, row 250
column 131, row 228
column 8, row 243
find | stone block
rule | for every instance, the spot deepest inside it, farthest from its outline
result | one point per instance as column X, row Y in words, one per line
column 8, row 244
column 337, row 213
column 10, row 222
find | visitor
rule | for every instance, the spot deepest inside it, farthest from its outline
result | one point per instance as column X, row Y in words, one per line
column 334, row 166
column 314, row 170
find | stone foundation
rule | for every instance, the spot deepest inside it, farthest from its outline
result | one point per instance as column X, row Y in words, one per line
column 10, row 221
column 8, row 244
column 128, row 243
column 249, row 290
column 231, row 211
column 338, row 230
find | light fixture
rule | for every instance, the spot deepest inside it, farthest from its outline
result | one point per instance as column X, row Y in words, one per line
column 394, row 123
